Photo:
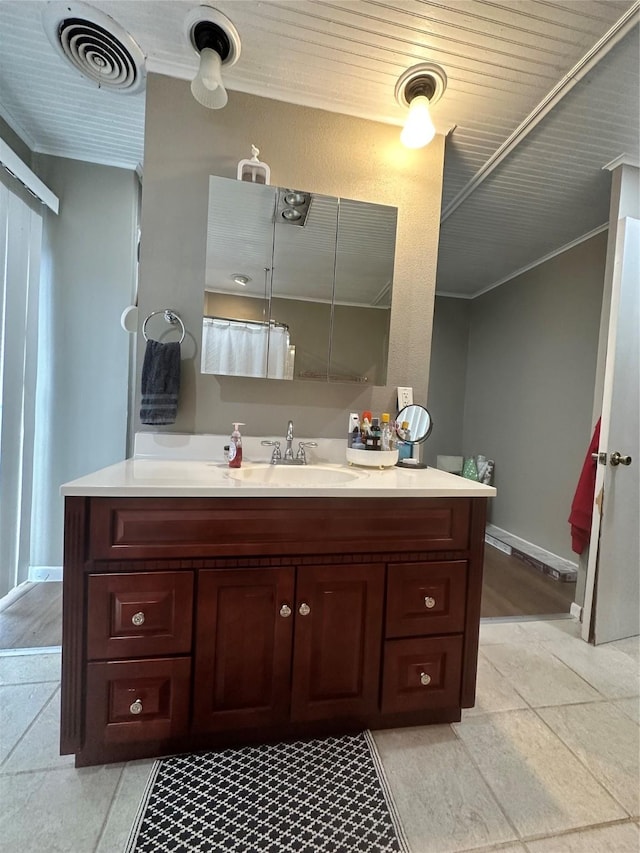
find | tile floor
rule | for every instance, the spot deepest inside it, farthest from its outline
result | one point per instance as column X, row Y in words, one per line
column 547, row 761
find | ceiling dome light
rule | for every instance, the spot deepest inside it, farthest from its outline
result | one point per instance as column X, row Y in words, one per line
column 214, row 37
column 239, row 278
column 419, row 88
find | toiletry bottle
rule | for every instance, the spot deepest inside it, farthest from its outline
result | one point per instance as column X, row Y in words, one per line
column 365, row 427
column 235, row 447
column 354, row 428
column 385, row 432
column 373, row 439
column 365, row 423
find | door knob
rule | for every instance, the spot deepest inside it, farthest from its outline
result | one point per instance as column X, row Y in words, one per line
column 304, row 610
column 618, row 459
column 285, row 610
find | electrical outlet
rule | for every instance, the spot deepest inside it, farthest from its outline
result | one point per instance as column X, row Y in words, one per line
column 405, row 397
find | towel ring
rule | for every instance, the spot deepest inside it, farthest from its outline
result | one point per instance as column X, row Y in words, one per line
column 170, row 317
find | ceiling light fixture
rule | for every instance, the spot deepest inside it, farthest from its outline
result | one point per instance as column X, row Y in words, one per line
column 293, row 206
column 213, row 36
column 239, row 278
column 419, row 88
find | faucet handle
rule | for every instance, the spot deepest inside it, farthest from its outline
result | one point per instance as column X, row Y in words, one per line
column 276, row 455
column 301, row 455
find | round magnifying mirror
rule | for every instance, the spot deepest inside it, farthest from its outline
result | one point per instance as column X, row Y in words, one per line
column 418, row 429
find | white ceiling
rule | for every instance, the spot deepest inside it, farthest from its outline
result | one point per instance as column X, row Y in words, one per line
column 541, row 95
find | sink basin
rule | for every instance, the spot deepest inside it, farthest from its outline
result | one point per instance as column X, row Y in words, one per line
column 292, row 475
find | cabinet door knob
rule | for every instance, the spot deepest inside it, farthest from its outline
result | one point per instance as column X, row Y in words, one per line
column 304, row 610
column 136, row 707
column 429, row 602
column 425, row 678
column 138, row 618
column 285, row 610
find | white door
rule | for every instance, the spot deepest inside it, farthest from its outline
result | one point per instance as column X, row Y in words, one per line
column 612, row 599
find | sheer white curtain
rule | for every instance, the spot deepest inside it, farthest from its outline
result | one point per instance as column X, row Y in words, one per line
column 20, row 247
column 232, row 348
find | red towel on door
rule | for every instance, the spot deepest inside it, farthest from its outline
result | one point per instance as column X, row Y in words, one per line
column 582, row 504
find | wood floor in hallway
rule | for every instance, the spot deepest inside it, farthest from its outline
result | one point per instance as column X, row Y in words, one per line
column 513, row 588
column 34, row 620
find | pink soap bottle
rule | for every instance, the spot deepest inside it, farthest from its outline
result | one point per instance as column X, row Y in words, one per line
column 235, row 447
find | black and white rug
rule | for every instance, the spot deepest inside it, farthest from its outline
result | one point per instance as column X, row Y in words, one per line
column 327, row 795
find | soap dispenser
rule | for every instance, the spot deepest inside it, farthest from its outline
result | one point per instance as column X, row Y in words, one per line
column 235, row 446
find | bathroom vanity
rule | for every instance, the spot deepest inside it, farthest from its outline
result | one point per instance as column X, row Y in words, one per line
column 202, row 611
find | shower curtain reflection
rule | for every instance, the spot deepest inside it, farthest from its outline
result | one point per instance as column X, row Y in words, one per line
column 244, row 348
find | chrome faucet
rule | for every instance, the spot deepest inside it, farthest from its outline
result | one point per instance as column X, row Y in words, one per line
column 288, row 459
column 288, row 453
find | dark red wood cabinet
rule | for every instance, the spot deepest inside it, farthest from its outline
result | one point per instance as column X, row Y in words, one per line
column 195, row 623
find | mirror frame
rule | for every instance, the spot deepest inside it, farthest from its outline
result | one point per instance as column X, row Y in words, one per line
column 413, row 463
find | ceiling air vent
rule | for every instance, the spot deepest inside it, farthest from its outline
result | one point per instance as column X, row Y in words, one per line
column 96, row 45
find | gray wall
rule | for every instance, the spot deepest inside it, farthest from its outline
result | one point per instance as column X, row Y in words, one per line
column 13, row 141
column 89, row 268
column 529, row 391
column 312, row 150
column 447, row 380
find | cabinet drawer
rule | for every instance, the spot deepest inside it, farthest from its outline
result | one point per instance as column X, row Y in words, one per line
column 135, row 615
column 150, row 528
column 421, row 674
column 137, row 700
column 426, row 598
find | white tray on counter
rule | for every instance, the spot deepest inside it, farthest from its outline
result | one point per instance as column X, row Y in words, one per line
column 372, row 458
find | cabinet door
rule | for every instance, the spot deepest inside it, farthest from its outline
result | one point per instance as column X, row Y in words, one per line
column 336, row 662
column 243, row 648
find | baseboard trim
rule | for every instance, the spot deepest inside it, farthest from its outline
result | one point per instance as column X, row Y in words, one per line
column 38, row 574
column 538, row 558
column 13, row 595
column 35, row 650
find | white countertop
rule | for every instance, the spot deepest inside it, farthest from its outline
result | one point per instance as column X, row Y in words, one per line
column 146, row 477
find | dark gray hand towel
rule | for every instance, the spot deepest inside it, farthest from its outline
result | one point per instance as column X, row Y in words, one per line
column 160, row 383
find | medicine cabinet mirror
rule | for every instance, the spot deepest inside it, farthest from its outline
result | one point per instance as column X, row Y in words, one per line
column 297, row 284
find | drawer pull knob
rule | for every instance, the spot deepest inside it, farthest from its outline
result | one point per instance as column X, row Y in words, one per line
column 425, row 678
column 136, row 707
column 138, row 618
column 304, row 610
column 285, row 610
column 429, row 602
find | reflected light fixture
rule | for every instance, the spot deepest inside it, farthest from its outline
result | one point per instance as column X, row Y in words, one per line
column 239, row 278
column 418, row 89
column 216, row 40
column 293, row 206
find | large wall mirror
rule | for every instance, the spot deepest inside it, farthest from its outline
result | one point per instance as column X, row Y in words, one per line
column 297, row 286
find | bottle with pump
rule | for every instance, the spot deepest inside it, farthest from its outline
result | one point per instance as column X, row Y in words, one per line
column 235, row 447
